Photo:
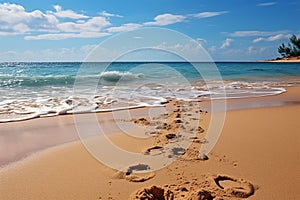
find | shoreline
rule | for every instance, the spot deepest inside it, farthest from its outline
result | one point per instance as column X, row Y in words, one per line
column 59, row 168
column 283, row 60
column 240, row 78
column 60, row 130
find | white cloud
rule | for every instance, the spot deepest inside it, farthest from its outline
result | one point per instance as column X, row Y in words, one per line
column 246, row 33
column 266, row 4
column 165, row 19
column 107, row 14
column 278, row 37
column 255, row 33
column 226, row 43
column 60, row 23
column 258, row 40
column 93, row 24
column 124, row 27
column 15, row 20
column 208, row 14
column 67, row 13
column 92, row 28
column 272, row 38
column 62, row 36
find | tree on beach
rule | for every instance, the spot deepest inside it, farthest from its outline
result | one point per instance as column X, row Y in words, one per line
column 292, row 49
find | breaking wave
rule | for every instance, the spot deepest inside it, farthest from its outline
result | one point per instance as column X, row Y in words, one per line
column 64, row 80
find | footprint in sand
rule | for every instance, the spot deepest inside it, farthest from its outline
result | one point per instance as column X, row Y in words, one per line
column 135, row 173
column 154, row 150
column 208, row 187
column 235, row 187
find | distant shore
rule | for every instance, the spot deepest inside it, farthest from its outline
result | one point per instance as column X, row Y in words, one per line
column 290, row 59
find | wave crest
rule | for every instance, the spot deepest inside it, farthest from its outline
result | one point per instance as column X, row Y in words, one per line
column 114, row 76
column 63, row 80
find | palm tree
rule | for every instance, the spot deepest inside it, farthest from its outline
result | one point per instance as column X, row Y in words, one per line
column 290, row 50
column 296, row 45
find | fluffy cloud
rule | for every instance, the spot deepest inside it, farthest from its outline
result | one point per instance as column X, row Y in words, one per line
column 15, row 20
column 208, row 14
column 107, row 14
column 92, row 25
column 165, row 19
column 59, row 23
column 92, row 28
column 226, row 43
column 124, row 27
column 272, row 38
column 161, row 20
column 67, row 13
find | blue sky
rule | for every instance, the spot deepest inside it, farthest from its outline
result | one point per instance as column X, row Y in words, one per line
column 231, row 30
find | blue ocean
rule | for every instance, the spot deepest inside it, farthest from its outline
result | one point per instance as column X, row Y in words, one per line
column 30, row 90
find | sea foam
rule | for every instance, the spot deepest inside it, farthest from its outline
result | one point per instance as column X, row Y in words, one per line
column 31, row 90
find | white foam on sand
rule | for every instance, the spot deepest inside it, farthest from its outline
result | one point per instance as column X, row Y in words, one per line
column 111, row 98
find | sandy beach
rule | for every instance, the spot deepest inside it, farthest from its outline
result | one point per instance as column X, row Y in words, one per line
column 256, row 156
column 291, row 59
column 149, row 100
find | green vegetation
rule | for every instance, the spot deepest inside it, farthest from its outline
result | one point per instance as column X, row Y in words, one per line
column 292, row 49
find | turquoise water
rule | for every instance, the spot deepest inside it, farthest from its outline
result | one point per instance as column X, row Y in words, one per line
column 29, row 90
column 64, row 74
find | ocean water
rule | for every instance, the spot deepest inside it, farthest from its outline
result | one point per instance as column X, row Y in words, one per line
column 30, row 90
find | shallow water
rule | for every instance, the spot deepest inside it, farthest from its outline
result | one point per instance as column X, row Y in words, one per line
column 30, row 90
